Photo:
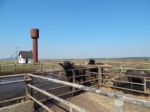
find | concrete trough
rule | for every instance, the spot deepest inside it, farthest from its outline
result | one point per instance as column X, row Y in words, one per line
column 26, row 106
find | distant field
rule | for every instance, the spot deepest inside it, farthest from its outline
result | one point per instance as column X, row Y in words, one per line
column 8, row 67
column 114, row 62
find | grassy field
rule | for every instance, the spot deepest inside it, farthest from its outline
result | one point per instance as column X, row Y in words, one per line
column 8, row 67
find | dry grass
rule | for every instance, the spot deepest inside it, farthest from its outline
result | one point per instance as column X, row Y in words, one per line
column 8, row 67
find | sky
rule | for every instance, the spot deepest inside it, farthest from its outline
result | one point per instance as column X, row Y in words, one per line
column 76, row 28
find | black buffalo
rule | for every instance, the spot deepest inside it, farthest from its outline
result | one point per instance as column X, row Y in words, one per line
column 137, row 76
column 95, row 69
column 91, row 61
column 133, row 76
column 71, row 69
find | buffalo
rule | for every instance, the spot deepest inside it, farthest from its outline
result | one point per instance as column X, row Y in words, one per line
column 71, row 69
column 133, row 76
column 79, row 72
column 95, row 70
column 137, row 76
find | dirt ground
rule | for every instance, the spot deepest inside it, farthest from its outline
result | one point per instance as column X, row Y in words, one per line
column 97, row 103
column 90, row 101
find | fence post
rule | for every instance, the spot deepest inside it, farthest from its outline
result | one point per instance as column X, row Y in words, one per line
column 119, row 102
column 15, row 67
column 145, row 86
column 41, row 67
column 120, row 70
column 0, row 69
column 27, row 89
column 73, row 80
column 99, row 75
column 71, row 109
column 52, row 67
column 59, row 77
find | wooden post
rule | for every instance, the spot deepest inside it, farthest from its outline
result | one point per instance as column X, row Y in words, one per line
column 53, row 67
column 31, row 69
column 59, row 75
column 15, row 68
column 99, row 75
column 71, row 109
column 145, row 86
column 41, row 67
column 120, row 69
column 118, row 102
column 0, row 69
column 27, row 89
column 73, row 89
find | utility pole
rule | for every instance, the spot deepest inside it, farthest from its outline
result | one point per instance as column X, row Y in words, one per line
column 16, row 54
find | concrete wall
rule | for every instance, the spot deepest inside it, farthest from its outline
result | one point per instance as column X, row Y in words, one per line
column 19, row 107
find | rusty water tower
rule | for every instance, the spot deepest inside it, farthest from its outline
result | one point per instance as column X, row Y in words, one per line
column 35, row 36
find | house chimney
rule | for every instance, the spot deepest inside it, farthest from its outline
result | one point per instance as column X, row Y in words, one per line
column 35, row 36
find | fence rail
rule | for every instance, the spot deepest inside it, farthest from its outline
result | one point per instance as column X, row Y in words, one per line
column 71, row 105
column 118, row 97
column 25, row 68
column 97, row 91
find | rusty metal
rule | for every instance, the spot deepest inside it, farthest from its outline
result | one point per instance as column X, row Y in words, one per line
column 35, row 33
column 35, row 36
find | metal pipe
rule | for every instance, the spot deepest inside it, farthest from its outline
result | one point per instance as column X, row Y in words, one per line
column 132, row 69
column 56, row 88
column 13, row 99
column 123, row 75
column 58, row 99
column 60, row 95
column 8, row 76
column 40, row 103
column 97, row 91
column 129, row 89
column 141, row 84
column 11, row 82
column 88, row 81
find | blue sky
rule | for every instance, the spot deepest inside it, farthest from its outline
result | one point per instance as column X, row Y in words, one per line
column 76, row 28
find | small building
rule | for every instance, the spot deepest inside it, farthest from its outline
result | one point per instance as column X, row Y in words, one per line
column 25, row 57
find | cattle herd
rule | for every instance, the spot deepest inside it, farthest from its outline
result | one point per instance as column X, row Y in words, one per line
column 80, row 71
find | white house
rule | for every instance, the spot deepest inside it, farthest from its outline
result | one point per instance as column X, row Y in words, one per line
column 25, row 57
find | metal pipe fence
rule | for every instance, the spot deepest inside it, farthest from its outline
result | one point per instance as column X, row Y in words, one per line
column 40, row 103
column 117, row 96
column 114, row 78
column 111, row 77
column 29, row 93
column 100, row 79
column 71, row 105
